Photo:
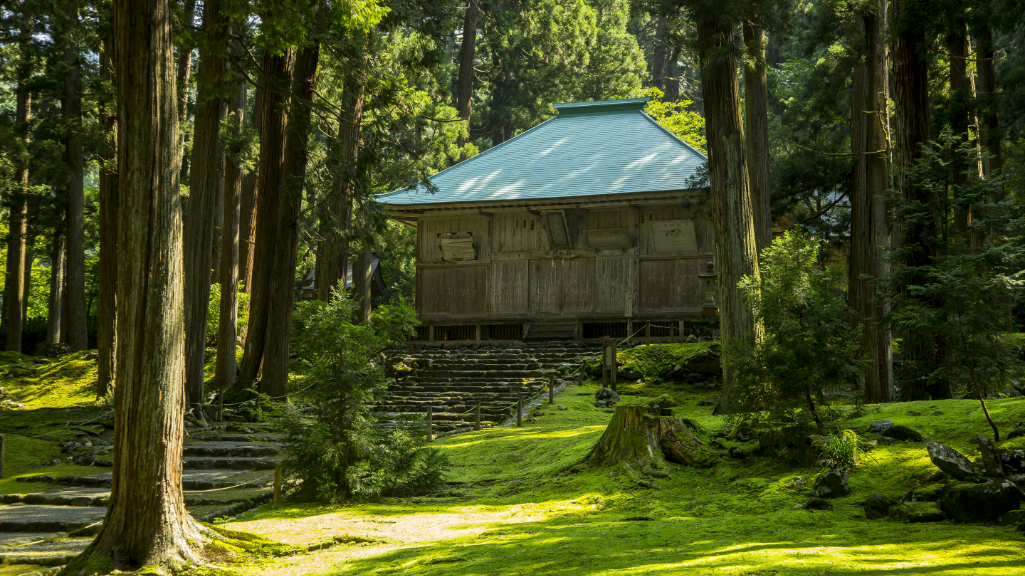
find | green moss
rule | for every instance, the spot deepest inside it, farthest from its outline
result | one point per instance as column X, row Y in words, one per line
column 652, row 360
column 68, row 382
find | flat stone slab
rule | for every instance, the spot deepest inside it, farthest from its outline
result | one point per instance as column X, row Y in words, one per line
column 191, row 479
column 46, row 551
column 232, row 449
column 227, row 463
column 230, row 437
column 80, row 496
column 33, row 518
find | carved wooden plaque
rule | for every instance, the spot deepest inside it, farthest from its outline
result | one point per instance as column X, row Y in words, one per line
column 674, row 236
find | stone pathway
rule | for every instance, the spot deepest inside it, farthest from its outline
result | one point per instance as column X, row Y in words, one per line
column 228, row 469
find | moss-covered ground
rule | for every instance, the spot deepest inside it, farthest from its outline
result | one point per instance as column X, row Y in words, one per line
column 516, row 502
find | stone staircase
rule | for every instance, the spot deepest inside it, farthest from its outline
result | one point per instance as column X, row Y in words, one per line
column 452, row 380
column 227, row 469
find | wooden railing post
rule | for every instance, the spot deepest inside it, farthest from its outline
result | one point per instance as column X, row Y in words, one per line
column 519, row 410
column 430, row 423
column 476, row 424
column 551, row 390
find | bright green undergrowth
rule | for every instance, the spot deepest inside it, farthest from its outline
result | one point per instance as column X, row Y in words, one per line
column 734, row 518
column 652, row 360
column 70, row 381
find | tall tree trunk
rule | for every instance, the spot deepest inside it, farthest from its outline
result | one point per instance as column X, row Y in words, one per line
column 466, row 58
column 77, row 334
column 55, row 305
column 658, row 57
column 989, row 124
column 672, row 77
column 756, row 92
column 183, row 73
column 247, row 203
column 277, row 72
column 361, row 276
column 15, row 290
column 30, row 260
column 226, row 366
column 107, row 308
column 281, row 284
column 333, row 261
column 735, row 247
column 872, row 178
column 199, row 226
column 959, row 110
column 215, row 250
column 146, row 520
column 916, row 237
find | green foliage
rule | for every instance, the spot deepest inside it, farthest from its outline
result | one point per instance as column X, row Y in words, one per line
column 213, row 317
column 334, row 445
column 840, row 451
column 686, row 125
column 953, row 291
column 808, row 347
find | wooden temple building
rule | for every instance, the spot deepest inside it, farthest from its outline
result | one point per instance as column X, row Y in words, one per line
column 582, row 227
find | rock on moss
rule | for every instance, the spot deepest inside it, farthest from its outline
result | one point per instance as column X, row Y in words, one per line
column 950, row 461
column 980, row 502
column 903, row 433
column 877, row 506
column 815, row 503
column 832, row 484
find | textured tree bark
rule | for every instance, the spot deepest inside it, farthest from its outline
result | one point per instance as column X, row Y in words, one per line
column 871, row 179
column 77, row 335
column 277, row 69
column 672, row 77
column 641, row 437
column 199, row 226
column 183, row 73
column 989, row 123
column 15, row 289
column 466, row 58
column 146, row 520
column 960, row 113
column 658, row 57
column 247, row 204
column 215, row 249
column 281, row 284
column 361, row 289
column 756, row 92
column 226, row 366
column 333, row 261
column 55, row 304
column 911, row 104
column 107, row 306
column 735, row 249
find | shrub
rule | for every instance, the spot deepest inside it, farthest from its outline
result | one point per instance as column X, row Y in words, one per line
column 808, row 346
column 840, row 451
column 334, row 445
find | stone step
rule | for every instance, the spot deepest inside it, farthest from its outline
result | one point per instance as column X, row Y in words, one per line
column 191, row 479
column 37, row 549
column 38, row 518
column 227, row 463
column 75, row 496
column 236, row 449
column 228, row 437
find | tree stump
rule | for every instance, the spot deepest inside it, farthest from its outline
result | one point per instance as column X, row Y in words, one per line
column 643, row 437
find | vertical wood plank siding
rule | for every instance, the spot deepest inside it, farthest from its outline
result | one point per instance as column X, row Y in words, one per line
column 518, row 275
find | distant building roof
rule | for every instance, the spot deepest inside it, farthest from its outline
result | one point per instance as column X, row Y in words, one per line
column 588, row 149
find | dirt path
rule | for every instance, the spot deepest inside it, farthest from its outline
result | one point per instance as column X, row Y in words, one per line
column 396, row 532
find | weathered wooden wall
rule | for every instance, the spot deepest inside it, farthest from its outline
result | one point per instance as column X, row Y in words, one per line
column 652, row 252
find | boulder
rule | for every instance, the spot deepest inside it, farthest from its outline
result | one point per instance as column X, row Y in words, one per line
column 605, row 397
column 903, row 433
column 880, row 426
column 950, row 461
column 990, row 458
column 832, row 484
column 980, row 502
column 877, row 506
column 815, row 503
column 1013, row 461
column 1012, row 518
column 628, row 374
column 706, row 364
column 53, row 350
column 1019, row 430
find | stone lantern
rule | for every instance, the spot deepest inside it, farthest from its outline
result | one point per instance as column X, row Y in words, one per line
column 709, row 308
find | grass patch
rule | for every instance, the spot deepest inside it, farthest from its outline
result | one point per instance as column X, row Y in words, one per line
column 68, row 382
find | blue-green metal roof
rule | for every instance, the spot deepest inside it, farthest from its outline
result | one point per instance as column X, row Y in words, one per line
column 589, row 149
